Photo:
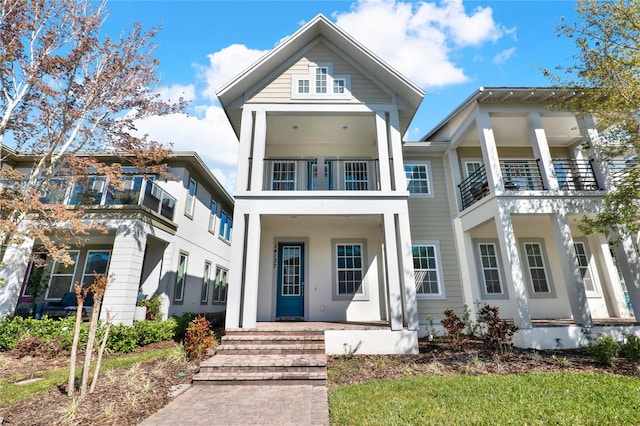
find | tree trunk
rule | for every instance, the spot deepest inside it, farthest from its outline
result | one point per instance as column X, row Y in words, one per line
column 96, row 372
column 95, row 312
column 71, row 385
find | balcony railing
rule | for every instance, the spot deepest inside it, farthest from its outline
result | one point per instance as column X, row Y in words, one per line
column 521, row 175
column 325, row 175
column 618, row 169
column 474, row 187
column 575, row 175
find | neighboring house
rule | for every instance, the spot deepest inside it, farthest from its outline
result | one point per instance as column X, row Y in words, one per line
column 337, row 220
column 164, row 237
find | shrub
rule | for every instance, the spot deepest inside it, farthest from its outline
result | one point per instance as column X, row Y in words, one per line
column 182, row 323
column 454, row 325
column 631, row 347
column 604, row 349
column 198, row 338
column 10, row 329
column 155, row 331
column 497, row 331
column 37, row 346
column 153, row 307
column 122, row 338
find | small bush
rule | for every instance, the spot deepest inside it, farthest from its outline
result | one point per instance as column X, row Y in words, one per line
column 37, row 346
column 454, row 325
column 497, row 331
column 631, row 347
column 122, row 338
column 155, row 331
column 198, row 338
column 10, row 329
column 182, row 323
column 604, row 349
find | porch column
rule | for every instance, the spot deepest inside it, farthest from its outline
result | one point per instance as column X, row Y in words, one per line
column 489, row 152
column 451, row 160
column 259, row 142
column 252, row 273
column 236, row 268
column 15, row 263
column 395, row 141
column 244, row 151
column 393, row 272
column 571, row 270
column 467, row 265
column 589, row 132
column 409, row 277
column 383, row 151
column 127, row 258
column 629, row 263
column 515, row 279
column 610, row 274
column 541, row 150
column 167, row 276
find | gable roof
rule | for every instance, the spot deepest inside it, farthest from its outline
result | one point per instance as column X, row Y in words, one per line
column 319, row 26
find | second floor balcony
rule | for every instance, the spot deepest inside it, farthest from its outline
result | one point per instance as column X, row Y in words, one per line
column 319, row 174
column 525, row 175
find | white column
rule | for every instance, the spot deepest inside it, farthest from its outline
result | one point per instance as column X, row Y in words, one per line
column 236, row 272
column 252, row 273
column 259, row 142
column 454, row 170
column 467, row 265
column 571, row 270
column 489, row 151
column 15, row 262
column 395, row 140
column 125, row 268
column 393, row 272
column 383, row 151
column 166, row 277
column 244, row 151
column 610, row 274
column 589, row 132
column 541, row 150
column 409, row 277
column 515, row 280
column 629, row 263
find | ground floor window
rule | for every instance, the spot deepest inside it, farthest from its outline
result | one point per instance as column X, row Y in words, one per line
column 61, row 280
column 220, row 285
column 35, row 275
column 536, row 267
column 181, row 276
column 98, row 262
column 490, row 270
column 426, row 266
column 584, row 256
column 204, row 292
column 349, row 271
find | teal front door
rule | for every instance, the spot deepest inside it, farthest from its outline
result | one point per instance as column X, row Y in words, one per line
column 290, row 301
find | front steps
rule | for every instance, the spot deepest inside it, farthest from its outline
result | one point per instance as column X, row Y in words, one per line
column 273, row 356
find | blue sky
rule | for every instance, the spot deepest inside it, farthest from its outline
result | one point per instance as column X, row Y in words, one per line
column 450, row 48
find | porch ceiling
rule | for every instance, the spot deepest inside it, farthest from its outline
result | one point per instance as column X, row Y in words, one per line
column 321, row 128
column 319, row 221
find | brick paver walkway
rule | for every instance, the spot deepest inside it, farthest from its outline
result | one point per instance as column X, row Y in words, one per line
column 246, row 405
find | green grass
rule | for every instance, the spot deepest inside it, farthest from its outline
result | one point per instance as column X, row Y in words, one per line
column 11, row 393
column 527, row 399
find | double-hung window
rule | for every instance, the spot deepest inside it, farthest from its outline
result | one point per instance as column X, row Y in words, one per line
column 418, row 178
column 584, row 257
column 61, row 280
column 349, row 269
column 181, row 277
column 226, row 223
column 321, row 79
column 355, row 176
column 220, row 285
column 427, row 269
column 283, row 176
column 537, row 268
column 191, row 198
column 489, row 266
column 98, row 262
column 204, row 291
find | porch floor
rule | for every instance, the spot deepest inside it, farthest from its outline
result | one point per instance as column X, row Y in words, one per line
column 563, row 322
column 319, row 325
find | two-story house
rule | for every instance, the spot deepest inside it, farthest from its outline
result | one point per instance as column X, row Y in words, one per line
column 166, row 237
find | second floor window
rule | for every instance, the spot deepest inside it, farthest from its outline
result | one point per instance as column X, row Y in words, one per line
column 284, row 176
column 212, row 216
column 418, row 181
column 226, row 223
column 355, row 176
column 191, row 198
column 425, row 265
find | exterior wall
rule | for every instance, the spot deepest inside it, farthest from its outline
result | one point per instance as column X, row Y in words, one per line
column 362, row 89
column 318, row 234
column 430, row 220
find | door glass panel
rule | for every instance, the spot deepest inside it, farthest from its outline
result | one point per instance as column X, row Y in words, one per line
column 291, row 257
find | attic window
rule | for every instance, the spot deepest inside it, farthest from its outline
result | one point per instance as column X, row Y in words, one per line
column 321, row 83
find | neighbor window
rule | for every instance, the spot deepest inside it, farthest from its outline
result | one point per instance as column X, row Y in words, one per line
column 204, row 292
column 283, row 176
column 212, row 216
column 490, row 268
column 191, row 198
column 349, row 269
column 536, row 267
column 61, row 280
column 418, row 181
column 226, row 223
column 89, row 192
column 426, row 269
column 220, row 285
column 181, row 277
column 98, row 262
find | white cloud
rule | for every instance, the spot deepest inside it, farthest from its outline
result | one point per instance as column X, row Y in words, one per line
column 504, row 56
column 176, row 91
column 211, row 137
column 419, row 39
column 227, row 64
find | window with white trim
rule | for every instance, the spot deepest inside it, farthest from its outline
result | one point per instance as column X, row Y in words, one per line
column 212, row 216
column 339, row 86
column 34, row 275
column 418, row 178
column 536, row 267
column 321, row 79
column 427, row 269
column 349, row 269
column 204, row 291
column 226, row 223
column 303, row 86
column 490, row 268
column 191, row 198
column 355, row 176
column 220, row 285
column 320, row 82
column 61, row 280
column 283, row 176
column 584, row 256
column 97, row 261
column 471, row 167
column 181, row 277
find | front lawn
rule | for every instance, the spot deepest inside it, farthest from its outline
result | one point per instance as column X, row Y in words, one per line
column 567, row 398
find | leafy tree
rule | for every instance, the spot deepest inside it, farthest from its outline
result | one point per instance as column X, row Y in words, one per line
column 68, row 92
column 607, row 71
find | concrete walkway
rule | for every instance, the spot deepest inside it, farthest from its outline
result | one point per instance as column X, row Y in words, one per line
column 246, row 405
